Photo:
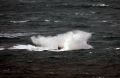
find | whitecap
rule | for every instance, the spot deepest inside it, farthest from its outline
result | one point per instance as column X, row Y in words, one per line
column 117, row 48
column 76, row 13
column 28, row 47
column 56, row 21
column 2, row 48
column 19, row 21
column 47, row 20
column 99, row 5
column 104, row 21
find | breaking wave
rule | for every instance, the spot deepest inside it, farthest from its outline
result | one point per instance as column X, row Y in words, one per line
column 72, row 40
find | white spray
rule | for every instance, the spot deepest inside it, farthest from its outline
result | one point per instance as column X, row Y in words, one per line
column 71, row 40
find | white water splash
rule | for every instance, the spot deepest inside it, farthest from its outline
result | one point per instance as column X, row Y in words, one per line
column 72, row 40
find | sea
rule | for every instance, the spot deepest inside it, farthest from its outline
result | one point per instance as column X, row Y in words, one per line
column 51, row 22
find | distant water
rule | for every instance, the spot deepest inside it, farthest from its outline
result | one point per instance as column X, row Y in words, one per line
column 20, row 20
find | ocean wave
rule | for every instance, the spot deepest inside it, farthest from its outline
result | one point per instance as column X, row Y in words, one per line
column 28, row 47
column 72, row 40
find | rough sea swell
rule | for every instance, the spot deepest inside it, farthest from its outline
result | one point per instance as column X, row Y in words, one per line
column 33, row 31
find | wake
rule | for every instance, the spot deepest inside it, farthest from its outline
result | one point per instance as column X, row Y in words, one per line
column 72, row 40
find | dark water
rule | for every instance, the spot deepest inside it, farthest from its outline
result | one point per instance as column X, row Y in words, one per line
column 21, row 19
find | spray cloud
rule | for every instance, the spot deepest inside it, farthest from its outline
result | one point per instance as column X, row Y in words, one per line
column 71, row 40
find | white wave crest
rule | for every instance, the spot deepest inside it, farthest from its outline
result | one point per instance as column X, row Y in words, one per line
column 72, row 40
column 2, row 48
column 28, row 47
column 19, row 21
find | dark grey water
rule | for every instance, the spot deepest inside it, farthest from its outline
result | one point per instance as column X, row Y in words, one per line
column 21, row 19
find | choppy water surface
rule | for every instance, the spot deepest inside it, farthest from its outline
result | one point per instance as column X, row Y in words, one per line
column 22, row 19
